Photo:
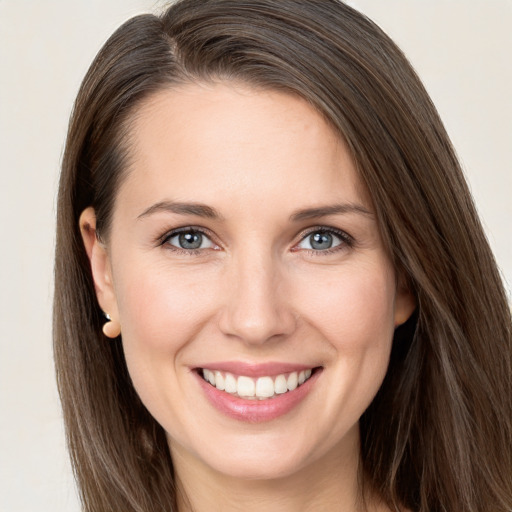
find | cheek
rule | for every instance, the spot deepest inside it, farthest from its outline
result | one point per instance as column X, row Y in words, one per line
column 354, row 308
column 160, row 308
column 160, row 315
column 354, row 316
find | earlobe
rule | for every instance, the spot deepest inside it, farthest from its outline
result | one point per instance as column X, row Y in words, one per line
column 111, row 328
column 100, row 263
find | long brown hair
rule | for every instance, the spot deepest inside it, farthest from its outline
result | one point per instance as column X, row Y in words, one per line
column 438, row 435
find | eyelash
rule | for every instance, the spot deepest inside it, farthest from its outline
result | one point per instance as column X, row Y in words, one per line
column 163, row 240
column 347, row 241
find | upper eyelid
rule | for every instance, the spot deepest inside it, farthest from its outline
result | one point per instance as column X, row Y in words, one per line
column 346, row 237
column 347, row 240
column 326, row 229
column 164, row 240
column 185, row 229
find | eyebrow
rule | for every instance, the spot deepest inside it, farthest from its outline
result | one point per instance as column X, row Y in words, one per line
column 324, row 211
column 198, row 209
column 202, row 210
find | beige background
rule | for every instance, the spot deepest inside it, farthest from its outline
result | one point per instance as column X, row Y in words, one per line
column 461, row 48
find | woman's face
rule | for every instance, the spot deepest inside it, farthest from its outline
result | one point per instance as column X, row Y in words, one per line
column 243, row 243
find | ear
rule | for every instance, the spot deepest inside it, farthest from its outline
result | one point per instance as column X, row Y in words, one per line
column 100, row 263
column 405, row 303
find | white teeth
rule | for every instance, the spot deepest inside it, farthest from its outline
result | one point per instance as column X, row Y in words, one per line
column 219, row 381
column 230, row 383
column 292, row 381
column 209, row 376
column 246, row 387
column 264, row 387
column 280, row 385
column 261, row 388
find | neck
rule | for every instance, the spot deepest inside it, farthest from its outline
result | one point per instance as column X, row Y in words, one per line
column 330, row 483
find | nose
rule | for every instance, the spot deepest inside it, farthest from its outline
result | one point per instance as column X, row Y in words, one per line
column 257, row 308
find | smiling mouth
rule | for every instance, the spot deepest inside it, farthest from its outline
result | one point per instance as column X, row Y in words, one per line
column 261, row 388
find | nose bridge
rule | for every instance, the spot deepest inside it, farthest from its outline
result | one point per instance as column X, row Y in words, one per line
column 256, row 309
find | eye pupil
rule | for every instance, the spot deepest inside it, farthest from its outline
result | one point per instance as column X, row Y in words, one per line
column 190, row 240
column 321, row 241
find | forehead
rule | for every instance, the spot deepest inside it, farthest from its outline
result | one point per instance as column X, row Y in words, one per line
column 228, row 141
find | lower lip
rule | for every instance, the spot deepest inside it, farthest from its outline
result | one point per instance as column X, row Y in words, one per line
column 256, row 411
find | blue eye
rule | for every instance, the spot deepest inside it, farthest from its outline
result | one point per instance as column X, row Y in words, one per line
column 189, row 240
column 322, row 240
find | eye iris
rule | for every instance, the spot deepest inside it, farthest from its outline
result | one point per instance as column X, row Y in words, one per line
column 321, row 241
column 190, row 240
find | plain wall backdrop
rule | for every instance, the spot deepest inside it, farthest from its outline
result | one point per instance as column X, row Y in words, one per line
column 460, row 48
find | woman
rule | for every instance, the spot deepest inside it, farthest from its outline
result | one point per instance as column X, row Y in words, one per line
column 302, row 310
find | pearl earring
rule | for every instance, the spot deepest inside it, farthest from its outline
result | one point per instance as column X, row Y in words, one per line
column 111, row 328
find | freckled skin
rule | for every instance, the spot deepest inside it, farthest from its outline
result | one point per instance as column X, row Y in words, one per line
column 257, row 291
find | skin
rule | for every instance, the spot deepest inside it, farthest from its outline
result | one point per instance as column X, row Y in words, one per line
column 255, row 292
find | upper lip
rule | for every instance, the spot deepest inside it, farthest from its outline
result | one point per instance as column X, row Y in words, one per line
column 255, row 369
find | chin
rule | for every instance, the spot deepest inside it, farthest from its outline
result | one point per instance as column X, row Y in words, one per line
column 261, row 459
column 257, row 469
